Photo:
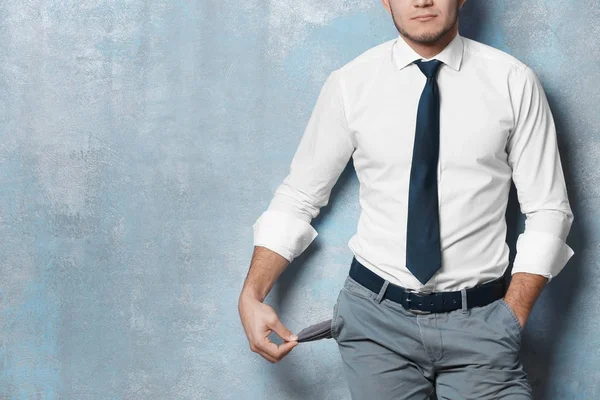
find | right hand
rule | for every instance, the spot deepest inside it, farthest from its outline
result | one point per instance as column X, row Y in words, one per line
column 259, row 320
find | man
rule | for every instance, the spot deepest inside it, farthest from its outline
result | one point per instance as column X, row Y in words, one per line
column 437, row 126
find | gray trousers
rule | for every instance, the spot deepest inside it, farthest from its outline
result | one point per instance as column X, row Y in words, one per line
column 390, row 353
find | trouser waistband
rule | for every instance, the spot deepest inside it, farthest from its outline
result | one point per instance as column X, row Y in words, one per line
column 427, row 303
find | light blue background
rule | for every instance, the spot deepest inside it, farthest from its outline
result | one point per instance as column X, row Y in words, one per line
column 139, row 142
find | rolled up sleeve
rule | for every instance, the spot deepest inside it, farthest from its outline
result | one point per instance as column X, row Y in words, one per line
column 322, row 154
column 538, row 177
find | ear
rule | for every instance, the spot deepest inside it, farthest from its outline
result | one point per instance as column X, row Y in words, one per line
column 386, row 4
column 460, row 3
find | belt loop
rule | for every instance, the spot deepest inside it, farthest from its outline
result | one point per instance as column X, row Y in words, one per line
column 382, row 291
column 463, row 293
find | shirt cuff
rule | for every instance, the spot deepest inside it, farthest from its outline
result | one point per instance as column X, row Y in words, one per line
column 541, row 253
column 283, row 233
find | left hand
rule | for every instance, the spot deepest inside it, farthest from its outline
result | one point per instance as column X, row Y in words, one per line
column 522, row 318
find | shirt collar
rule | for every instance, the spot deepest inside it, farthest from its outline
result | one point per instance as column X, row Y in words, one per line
column 451, row 55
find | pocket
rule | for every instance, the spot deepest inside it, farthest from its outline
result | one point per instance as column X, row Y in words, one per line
column 352, row 294
column 321, row 330
column 513, row 317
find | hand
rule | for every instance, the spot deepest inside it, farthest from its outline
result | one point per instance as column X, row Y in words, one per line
column 259, row 320
column 522, row 319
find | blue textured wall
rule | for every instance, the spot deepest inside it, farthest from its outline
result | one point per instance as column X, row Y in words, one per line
column 140, row 140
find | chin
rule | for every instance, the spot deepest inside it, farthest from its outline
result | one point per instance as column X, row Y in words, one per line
column 425, row 35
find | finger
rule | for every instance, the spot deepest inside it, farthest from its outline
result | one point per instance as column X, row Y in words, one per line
column 285, row 348
column 267, row 357
column 277, row 353
column 261, row 350
column 270, row 348
column 282, row 331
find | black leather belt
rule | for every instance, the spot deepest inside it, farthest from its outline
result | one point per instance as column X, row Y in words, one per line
column 426, row 303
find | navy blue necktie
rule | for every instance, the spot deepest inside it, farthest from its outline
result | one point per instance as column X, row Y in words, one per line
column 423, row 254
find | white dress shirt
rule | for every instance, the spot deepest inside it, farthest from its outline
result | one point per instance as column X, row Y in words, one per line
column 495, row 125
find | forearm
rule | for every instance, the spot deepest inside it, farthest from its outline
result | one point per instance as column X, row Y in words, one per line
column 523, row 292
column 265, row 267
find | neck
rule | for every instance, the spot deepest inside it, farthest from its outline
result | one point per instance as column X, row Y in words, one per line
column 428, row 50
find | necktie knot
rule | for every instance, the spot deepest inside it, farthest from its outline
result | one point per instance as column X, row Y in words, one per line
column 429, row 68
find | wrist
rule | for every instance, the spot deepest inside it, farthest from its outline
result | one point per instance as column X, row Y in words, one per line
column 251, row 294
column 521, row 312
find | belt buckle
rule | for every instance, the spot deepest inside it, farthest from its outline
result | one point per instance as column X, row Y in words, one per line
column 419, row 293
